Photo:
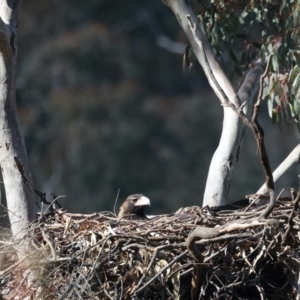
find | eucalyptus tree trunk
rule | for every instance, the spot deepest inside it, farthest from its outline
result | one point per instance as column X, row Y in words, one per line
column 13, row 156
column 219, row 176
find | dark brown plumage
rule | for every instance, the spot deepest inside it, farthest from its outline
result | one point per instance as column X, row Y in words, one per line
column 133, row 207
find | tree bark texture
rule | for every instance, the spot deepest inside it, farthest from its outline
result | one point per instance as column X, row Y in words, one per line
column 292, row 160
column 219, row 175
column 13, row 156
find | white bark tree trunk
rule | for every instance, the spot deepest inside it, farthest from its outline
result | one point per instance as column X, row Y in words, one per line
column 218, row 181
column 13, row 156
column 227, row 153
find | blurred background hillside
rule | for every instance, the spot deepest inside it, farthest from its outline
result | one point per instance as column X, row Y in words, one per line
column 104, row 105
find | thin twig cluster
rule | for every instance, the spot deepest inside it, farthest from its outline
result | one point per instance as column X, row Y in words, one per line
column 98, row 256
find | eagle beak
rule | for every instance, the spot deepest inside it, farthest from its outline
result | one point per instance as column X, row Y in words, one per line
column 142, row 201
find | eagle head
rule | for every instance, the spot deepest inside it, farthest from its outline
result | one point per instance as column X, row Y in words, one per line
column 134, row 206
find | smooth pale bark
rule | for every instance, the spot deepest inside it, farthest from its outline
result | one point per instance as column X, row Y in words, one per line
column 181, row 10
column 226, row 155
column 292, row 160
column 13, row 156
column 219, row 176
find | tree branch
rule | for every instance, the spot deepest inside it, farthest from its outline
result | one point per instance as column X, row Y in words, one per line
column 219, row 175
column 13, row 156
column 291, row 160
column 253, row 124
column 219, row 81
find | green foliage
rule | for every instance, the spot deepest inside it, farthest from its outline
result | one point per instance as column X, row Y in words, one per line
column 242, row 31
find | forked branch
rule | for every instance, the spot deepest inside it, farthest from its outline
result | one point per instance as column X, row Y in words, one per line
column 203, row 232
column 253, row 123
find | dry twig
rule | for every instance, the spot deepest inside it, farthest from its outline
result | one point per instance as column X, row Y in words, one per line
column 97, row 256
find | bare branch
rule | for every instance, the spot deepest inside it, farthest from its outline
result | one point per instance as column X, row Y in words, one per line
column 296, row 199
column 292, row 160
column 219, row 176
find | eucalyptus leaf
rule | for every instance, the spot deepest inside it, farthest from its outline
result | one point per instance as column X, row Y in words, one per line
column 296, row 81
column 275, row 63
column 270, row 107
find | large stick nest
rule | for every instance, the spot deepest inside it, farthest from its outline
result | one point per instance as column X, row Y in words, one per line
column 100, row 257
